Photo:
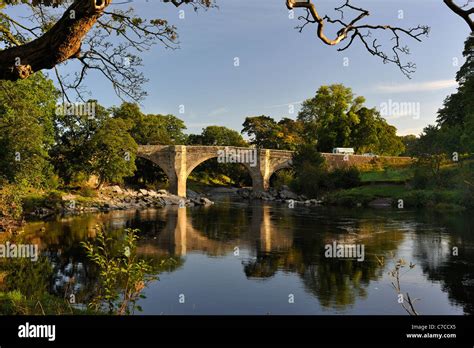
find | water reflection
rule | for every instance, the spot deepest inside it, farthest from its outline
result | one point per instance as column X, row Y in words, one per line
column 277, row 244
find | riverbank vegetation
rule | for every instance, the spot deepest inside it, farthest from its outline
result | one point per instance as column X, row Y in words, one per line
column 25, row 285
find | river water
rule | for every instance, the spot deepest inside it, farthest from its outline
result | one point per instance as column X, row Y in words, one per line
column 254, row 258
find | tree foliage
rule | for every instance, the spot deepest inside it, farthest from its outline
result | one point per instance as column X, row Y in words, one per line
column 334, row 117
column 265, row 132
column 26, row 129
column 114, row 151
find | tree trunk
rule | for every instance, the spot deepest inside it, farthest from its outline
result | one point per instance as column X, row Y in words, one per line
column 60, row 43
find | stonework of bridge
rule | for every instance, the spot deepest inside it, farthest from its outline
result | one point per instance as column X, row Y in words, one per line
column 178, row 161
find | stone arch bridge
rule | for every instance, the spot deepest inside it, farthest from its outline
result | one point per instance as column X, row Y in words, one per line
column 178, row 161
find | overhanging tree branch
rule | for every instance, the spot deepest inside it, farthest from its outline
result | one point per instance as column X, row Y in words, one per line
column 60, row 43
column 462, row 12
column 353, row 30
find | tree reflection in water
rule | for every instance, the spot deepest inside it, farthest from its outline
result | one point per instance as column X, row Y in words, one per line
column 273, row 239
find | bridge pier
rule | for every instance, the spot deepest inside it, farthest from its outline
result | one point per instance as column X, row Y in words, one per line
column 179, row 176
column 180, row 160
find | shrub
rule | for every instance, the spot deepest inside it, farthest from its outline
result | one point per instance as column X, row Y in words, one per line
column 422, row 178
column 310, row 171
column 88, row 192
column 284, row 177
column 54, row 200
column 343, row 178
column 11, row 206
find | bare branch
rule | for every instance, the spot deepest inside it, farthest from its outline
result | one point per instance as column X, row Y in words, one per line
column 353, row 30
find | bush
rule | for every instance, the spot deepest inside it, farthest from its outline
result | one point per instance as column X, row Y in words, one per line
column 343, row 178
column 310, row 171
column 88, row 192
column 54, row 200
column 11, row 206
column 312, row 176
column 284, row 177
column 422, row 178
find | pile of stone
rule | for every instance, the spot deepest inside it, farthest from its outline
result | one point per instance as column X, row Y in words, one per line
column 117, row 198
column 283, row 194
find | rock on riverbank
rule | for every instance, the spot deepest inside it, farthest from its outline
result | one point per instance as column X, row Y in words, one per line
column 283, row 194
column 117, row 198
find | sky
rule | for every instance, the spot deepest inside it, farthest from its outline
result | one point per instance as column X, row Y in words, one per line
column 280, row 67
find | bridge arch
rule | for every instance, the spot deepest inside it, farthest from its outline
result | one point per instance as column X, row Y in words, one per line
column 179, row 161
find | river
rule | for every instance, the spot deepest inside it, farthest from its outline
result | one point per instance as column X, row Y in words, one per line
column 256, row 258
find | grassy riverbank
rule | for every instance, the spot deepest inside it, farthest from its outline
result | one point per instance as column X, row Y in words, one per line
column 449, row 189
column 401, row 196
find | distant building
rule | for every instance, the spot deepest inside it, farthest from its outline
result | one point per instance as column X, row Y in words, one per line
column 343, row 150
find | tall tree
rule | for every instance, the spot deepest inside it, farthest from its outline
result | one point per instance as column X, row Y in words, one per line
column 73, row 149
column 329, row 116
column 26, row 129
column 262, row 131
column 458, row 105
column 114, row 151
column 337, row 118
column 151, row 129
column 221, row 136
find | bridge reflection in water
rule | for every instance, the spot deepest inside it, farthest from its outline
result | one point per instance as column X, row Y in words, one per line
column 179, row 235
column 284, row 248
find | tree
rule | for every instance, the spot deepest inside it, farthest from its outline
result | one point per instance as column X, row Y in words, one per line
column 151, row 129
column 26, row 129
column 73, row 149
column 310, row 170
column 329, row 117
column 59, row 31
column 458, row 105
column 336, row 118
column 453, row 132
column 114, row 151
column 364, row 133
column 410, row 142
column 262, row 131
column 265, row 132
column 290, row 134
column 221, row 136
column 389, row 144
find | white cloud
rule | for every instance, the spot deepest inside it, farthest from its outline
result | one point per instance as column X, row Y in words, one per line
column 218, row 112
column 417, row 87
column 409, row 131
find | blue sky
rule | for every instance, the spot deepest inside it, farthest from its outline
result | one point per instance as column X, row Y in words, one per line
column 279, row 66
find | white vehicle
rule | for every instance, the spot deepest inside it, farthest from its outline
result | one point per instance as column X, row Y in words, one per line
column 343, row 150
